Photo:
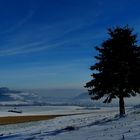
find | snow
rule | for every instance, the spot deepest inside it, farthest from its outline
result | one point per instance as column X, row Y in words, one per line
column 102, row 124
column 43, row 110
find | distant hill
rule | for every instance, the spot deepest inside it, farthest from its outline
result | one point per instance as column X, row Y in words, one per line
column 14, row 97
column 5, row 94
column 7, row 90
column 84, row 99
column 82, row 96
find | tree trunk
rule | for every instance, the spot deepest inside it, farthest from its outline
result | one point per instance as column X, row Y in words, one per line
column 121, row 104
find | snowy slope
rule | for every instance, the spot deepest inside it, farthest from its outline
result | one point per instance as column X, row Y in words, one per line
column 99, row 125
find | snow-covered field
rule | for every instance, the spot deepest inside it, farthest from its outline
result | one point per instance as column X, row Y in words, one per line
column 43, row 110
column 103, row 124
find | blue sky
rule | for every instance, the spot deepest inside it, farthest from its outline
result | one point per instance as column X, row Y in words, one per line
column 49, row 43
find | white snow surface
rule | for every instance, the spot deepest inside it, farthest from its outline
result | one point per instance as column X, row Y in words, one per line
column 102, row 124
column 42, row 110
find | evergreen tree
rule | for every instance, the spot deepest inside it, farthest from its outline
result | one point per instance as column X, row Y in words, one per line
column 117, row 71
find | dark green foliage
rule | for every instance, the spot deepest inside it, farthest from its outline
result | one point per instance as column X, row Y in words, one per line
column 117, row 71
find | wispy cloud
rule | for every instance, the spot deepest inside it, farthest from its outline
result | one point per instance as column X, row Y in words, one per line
column 19, row 24
column 19, row 45
column 40, row 46
column 33, row 6
column 42, row 37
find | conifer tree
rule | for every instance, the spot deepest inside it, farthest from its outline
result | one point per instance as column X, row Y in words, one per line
column 116, row 74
